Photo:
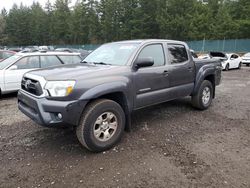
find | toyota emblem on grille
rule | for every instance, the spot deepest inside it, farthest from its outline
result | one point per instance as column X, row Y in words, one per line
column 27, row 83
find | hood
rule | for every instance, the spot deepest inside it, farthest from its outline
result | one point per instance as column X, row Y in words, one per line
column 76, row 71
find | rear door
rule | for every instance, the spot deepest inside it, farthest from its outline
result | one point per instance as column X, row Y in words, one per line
column 151, row 82
column 182, row 70
column 49, row 61
column 13, row 77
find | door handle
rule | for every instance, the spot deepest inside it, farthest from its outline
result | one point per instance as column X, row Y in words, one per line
column 190, row 69
column 165, row 73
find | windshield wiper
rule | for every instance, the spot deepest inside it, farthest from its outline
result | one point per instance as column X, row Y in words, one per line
column 101, row 63
column 85, row 62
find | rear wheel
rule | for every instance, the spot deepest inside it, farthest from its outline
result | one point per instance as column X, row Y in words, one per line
column 248, row 65
column 227, row 67
column 203, row 99
column 101, row 126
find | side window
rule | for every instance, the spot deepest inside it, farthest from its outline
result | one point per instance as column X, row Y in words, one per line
column 48, row 61
column 177, row 53
column 70, row 59
column 235, row 56
column 154, row 51
column 28, row 63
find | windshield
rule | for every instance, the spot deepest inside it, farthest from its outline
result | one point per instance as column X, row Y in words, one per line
column 5, row 63
column 113, row 54
column 247, row 55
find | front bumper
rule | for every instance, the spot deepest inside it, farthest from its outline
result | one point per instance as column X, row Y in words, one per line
column 246, row 62
column 46, row 112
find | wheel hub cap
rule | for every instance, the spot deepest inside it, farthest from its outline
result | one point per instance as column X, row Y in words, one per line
column 105, row 126
column 206, row 94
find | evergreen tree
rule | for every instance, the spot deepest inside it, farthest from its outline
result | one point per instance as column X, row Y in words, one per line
column 98, row 21
column 61, row 22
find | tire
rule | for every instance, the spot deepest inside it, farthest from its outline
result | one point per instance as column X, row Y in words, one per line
column 239, row 67
column 96, row 121
column 200, row 100
column 227, row 67
column 248, row 65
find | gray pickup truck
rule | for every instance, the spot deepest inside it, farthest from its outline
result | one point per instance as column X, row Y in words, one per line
column 99, row 95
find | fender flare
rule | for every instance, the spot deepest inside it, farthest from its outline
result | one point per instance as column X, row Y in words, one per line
column 201, row 75
column 109, row 88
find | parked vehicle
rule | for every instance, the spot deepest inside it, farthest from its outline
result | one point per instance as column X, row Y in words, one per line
column 246, row 59
column 13, row 68
column 15, row 49
column 83, row 53
column 46, row 48
column 64, row 50
column 98, row 96
column 233, row 61
column 229, row 61
column 204, row 56
column 4, row 54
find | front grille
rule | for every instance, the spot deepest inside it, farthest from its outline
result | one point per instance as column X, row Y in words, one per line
column 31, row 86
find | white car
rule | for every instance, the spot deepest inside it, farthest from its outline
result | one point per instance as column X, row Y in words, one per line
column 13, row 68
column 246, row 59
column 233, row 61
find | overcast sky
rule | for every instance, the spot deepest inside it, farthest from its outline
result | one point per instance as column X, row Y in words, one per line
column 7, row 4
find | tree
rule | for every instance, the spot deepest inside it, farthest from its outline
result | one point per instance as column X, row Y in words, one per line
column 61, row 19
column 3, row 35
column 98, row 21
column 39, row 25
column 18, row 25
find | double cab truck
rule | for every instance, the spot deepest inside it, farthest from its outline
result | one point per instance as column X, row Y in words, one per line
column 98, row 96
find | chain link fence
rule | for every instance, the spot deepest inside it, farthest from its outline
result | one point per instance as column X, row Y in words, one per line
column 234, row 45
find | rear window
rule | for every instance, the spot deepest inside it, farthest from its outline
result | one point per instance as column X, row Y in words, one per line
column 177, row 53
column 70, row 59
column 247, row 55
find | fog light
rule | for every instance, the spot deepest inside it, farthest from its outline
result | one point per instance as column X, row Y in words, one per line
column 59, row 115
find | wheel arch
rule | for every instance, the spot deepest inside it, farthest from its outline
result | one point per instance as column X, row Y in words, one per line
column 211, row 78
column 205, row 75
column 120, row 98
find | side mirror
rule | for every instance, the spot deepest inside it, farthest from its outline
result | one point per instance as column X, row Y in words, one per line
column 144, row 62
column 13, row 67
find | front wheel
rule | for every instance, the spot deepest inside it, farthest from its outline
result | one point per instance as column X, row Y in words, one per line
column 239, row 67
column 101, row 125
column 227, row 67
column 203, row 99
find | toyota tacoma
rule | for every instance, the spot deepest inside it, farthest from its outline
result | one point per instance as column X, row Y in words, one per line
column 98, row 96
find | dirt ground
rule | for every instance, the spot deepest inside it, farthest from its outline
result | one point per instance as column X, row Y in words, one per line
column 171, row 145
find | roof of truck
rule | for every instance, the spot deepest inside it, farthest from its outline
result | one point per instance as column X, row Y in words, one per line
column 149, row 40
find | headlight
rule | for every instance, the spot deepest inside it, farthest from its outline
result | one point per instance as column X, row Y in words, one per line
column 59, row 88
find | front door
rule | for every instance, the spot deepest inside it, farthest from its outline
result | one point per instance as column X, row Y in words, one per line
column 151, row 82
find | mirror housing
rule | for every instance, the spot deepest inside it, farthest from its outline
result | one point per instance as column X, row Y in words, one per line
column 144, row 62
column 13, row 67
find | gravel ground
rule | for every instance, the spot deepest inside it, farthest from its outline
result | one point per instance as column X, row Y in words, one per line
column 171, row 145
